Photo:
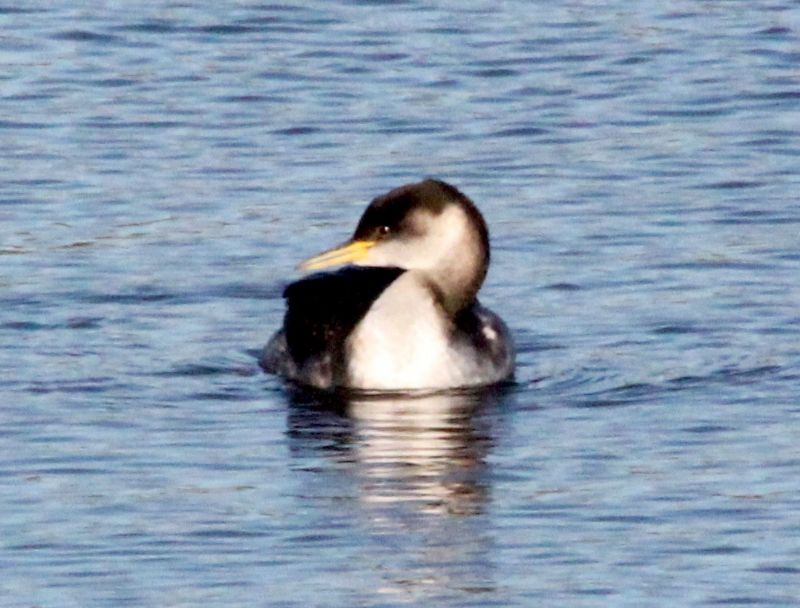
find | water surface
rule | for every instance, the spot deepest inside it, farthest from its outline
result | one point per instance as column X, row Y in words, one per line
column 164, row 167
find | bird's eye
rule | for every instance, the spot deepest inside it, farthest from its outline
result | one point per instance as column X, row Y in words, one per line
column 384, row 230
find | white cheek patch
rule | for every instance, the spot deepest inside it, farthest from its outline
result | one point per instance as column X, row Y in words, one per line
column 449, row 230
column 436, row 242
column 441, row 240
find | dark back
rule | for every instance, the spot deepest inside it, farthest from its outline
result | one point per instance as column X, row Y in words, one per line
column 324, row 308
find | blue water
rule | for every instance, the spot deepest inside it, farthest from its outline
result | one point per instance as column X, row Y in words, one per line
column 163, row 168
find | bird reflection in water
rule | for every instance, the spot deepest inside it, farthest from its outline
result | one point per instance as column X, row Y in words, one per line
column 426, row 450
column 406, row 480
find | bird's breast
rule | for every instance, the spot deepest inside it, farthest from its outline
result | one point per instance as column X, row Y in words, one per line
column 403, row 342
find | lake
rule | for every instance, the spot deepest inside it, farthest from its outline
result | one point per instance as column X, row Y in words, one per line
column 165, row 166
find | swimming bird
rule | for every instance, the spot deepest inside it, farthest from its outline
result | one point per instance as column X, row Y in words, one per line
column 404, row 314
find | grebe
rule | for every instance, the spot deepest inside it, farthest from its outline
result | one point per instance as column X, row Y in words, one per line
column 404, row 314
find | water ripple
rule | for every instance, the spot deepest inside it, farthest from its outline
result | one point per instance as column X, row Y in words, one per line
column 165, row 167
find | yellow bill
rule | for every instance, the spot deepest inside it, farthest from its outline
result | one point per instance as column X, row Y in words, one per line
column 351, row 251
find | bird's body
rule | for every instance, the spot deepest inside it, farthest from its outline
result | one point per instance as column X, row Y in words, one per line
column 406, row 317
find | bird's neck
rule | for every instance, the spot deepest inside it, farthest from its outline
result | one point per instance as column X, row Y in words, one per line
column 457, row 280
